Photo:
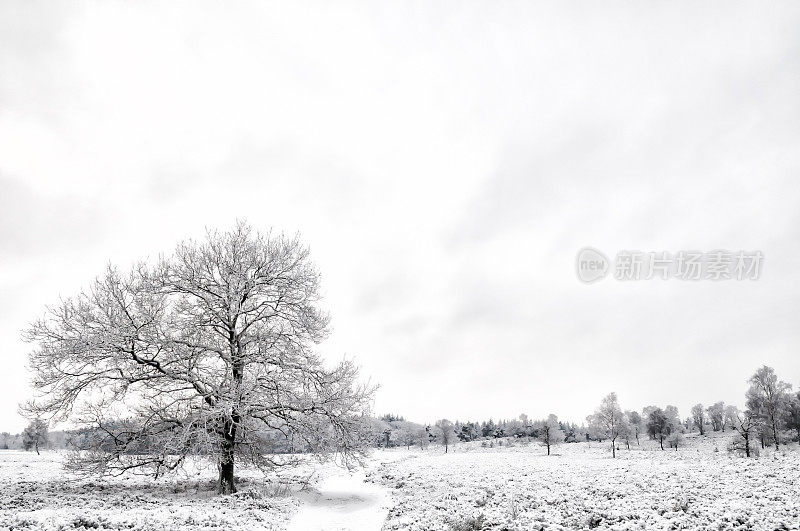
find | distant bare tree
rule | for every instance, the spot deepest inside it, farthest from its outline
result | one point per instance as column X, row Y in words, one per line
column 446, row 432
column 699, row 417
column 550, row 432
column 608, row 421
column 730, row 415
column 673, row 416
column 746, row 424
column 716, row 415
column 408, row 434
column 792, row 414
column 675, row 439
column 422, row 438
column 526, row 424
column 634, row 423
column 768, row 395
column 627, row 430
column 35, row 435
column 658, row 425
column 202, row 353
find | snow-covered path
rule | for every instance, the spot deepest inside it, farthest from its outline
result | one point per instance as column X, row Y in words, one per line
column 343, row 501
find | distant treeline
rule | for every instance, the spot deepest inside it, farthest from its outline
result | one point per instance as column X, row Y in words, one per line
column 771, row 417
column 15, row 441
column 393, row 430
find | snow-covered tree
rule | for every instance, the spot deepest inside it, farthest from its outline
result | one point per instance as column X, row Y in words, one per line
column 673, row 416
column 550, row 432
column 658, row 425
column 746, row 424
column 406, row 432
column 446, row 433
column 422, row 437
column 35, row 435
column 202, row 352
column 469, row 432
column 607, row 421
column 768, row 396
column 699, row 417
column 675, row 438
column 792, row 414
column 716, row 416
column 634, row 424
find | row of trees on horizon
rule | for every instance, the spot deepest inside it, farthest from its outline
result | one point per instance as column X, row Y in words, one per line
column 771, row 416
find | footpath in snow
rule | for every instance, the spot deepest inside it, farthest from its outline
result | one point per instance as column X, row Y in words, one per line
column 344, row 501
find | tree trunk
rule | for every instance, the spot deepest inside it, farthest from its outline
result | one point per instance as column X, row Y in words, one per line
column 661, row 440
column 37, row 448
column 226, row 481
column 775, row 432
column 227, row 484
column 613, row 449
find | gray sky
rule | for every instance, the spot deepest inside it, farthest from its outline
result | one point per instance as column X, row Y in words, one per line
column 445, row 162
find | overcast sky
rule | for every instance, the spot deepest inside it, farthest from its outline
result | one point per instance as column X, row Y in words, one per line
column 445, row 162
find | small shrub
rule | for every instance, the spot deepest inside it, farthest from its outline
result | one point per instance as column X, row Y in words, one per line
column 82, row 522
column 469, row 523
column 513, row 511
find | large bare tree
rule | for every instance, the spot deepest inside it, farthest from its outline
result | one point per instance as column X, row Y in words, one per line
column 206, row 352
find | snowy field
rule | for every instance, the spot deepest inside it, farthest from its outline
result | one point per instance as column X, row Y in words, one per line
column 472, row 487
column 36, row 493
column 581, row 487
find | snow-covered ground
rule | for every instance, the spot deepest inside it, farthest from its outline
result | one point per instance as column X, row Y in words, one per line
column 342, row 501
column 700, row 486
column 36, row 493
column 346, row 500
column 472, row 487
